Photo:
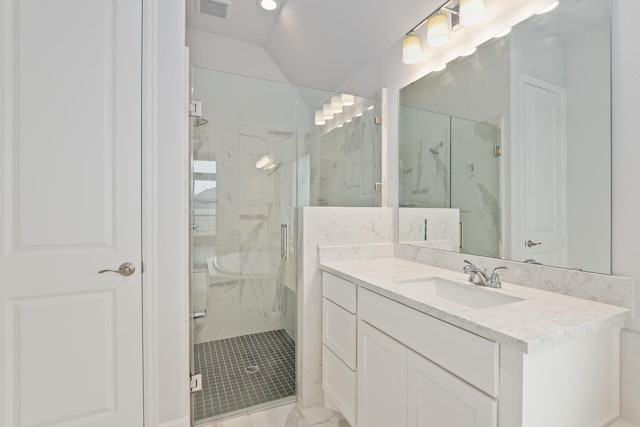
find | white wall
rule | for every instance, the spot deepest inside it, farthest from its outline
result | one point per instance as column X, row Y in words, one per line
column 625, row 178
column 165, row 184
column 231, row 55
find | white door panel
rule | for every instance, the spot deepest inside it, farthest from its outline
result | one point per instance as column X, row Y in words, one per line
column 70, row 338
column 545, row 175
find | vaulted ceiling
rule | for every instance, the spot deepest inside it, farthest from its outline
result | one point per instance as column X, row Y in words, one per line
column 318, row 43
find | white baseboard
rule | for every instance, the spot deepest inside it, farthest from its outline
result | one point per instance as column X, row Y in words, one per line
column 180, row 422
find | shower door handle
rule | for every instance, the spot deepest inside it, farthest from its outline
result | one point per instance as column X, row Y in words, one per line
column 284, row 241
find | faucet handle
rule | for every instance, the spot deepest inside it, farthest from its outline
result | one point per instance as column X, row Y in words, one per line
column 467, row 267
column 495, row 279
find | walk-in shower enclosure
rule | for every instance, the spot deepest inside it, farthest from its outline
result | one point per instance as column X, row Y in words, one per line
column 258, row 151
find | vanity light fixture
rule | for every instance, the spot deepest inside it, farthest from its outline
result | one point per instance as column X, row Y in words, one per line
column 438, row 30
column 411, row 48
column 440, row 68
column 359, row 114
column 370, row 107
column 549, row 8
column 470, row 52
column 471, row 12
column 268, row 4
column 502, row 34
column 319, row 119
column 347, row 99
column 327, row 114
column 439, row 25
column 336, row 104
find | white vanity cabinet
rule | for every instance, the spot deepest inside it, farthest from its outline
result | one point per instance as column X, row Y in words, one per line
column 399, row 384
column 438, row 398
column 387, row 364
column 382, row 379
column 339, row 345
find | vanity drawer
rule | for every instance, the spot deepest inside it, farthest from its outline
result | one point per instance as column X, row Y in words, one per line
column 340, row 384
column 469, row 356
column 339, row 332
column 339, row 291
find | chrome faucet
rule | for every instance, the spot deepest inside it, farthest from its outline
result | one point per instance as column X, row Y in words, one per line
column 484, row 279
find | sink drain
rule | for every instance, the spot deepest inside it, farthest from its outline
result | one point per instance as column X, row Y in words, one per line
column 252, row 369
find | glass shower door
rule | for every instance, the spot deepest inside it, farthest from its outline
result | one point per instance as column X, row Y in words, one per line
column 243, row 277
column 475, row 178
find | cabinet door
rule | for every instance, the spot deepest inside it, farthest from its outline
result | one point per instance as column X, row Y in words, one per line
column 382, row 379
column 438, row 398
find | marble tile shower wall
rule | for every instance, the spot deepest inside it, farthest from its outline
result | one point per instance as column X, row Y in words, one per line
column 345, row 163
column 442, row 227
column 249, row 206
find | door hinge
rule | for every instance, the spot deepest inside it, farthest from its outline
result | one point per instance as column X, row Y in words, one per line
column 378, row 120
column 195, row 382
column 497, row 150
column 195, row 108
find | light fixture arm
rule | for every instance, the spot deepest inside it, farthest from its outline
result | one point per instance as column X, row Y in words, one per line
column 443, row 6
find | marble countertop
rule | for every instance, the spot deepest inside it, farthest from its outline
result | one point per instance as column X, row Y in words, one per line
column 540, row 320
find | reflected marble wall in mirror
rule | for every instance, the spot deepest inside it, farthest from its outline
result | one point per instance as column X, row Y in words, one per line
column 514, row 141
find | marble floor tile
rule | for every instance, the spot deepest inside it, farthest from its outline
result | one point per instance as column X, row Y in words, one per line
column 272, row 417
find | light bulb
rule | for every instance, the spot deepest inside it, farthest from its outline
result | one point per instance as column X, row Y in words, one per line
column 319, row 118
column 268, row 4
column 347, row 99
column 336, row 104
column 411, row 49
column 471, row 12
column 548, row 8
column 502, row 34
column 263, row 161
column 438, row 30
column 469, row 52
column 327, row 114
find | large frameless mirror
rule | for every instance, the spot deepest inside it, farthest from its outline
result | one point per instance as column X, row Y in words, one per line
column 507, row 152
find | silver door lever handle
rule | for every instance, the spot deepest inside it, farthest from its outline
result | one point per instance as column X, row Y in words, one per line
column 530, row 243
column 125, row 269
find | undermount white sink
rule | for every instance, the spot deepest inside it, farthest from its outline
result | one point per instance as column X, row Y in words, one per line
column 436, row 288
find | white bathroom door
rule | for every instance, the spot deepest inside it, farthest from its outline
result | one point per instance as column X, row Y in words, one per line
column 545, row 174
column 70, row 192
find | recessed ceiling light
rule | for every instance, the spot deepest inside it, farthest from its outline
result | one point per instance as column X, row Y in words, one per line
column 269, row 4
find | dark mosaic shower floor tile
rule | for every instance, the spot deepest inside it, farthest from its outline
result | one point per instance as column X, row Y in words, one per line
column 244, row 371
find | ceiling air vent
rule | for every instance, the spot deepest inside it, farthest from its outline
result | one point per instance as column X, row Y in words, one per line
column 217, row 8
